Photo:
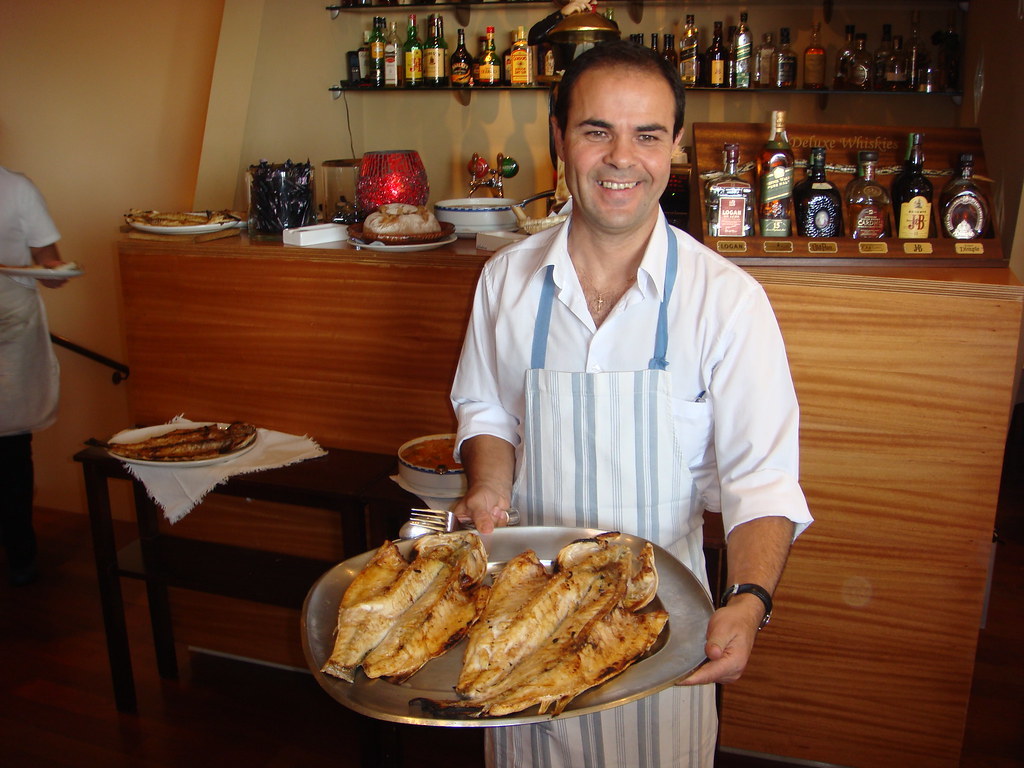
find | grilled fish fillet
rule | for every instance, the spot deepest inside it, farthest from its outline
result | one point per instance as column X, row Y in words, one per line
column 414, row 611
column 203, row 442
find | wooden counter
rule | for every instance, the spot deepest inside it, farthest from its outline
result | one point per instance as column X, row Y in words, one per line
column 905, row 378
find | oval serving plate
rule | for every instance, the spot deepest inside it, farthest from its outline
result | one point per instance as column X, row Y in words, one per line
column 679, row 650
column 144, row 433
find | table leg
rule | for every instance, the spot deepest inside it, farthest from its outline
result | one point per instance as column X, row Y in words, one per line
column 147, row 516
column 109, row 581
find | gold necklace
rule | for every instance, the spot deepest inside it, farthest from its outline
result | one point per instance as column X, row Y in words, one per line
column 600, row 302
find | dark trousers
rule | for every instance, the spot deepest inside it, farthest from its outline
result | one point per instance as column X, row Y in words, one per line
column 16, row 486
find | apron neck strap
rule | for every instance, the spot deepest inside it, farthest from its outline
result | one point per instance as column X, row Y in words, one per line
column 547, row 298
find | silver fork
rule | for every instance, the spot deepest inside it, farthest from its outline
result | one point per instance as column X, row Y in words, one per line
column 424, row 521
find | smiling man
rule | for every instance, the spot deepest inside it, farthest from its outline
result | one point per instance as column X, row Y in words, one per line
column 618, row 375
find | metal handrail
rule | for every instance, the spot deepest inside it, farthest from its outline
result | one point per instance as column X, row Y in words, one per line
column 120, row 369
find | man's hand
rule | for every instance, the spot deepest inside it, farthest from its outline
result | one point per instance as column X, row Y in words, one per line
column 730, row 639
column 489, row 463
column 48, row 257
column 575, row 6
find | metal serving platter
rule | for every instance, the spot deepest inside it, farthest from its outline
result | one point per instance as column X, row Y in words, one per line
column 678, row 651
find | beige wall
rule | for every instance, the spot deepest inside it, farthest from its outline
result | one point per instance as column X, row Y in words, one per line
column 102, row 104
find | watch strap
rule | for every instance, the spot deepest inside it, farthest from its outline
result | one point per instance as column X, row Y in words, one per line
column 753, row 589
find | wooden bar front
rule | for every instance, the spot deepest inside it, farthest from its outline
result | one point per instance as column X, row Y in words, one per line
column 905, row 378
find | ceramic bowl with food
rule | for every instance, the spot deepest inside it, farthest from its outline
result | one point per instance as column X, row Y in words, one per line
column 427, row 466
column 471, row 215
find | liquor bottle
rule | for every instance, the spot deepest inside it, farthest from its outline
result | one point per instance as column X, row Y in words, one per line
column 654, row 42
column 964, row 207
column 881, row 56
column 394, row 69
column 365, row 65
column 867, row 202
column 949, row 56
column 839, row 81
column 482, row 43
column 412, row 52
column 461, row 68
column 742, row 53
column 896, row 67
column 490, row 65
column 917, row 56
column 715, row 57
column 775, row 177
column 785, row 62
column 377, row 42
column 859, row 69
column 764, row 61
column 817, row 204
column 730, row 58
column 814, row 61
column 911, row 194
column 435, row 55
column 506, row 61
column 521, row 72
column 689, row 47
column 668, row 51
column 729, row 200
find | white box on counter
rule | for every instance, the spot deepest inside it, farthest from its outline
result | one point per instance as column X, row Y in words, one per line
column 315, row 234
column 492, row 241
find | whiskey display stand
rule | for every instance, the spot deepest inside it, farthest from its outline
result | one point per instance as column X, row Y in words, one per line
column 942, row 148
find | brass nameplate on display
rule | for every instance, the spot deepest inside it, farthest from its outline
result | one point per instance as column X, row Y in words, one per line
column 823, row 247
column 917, row 248
column 873, row 247
column 731, row 246
column 778, row 246
column 969, row 249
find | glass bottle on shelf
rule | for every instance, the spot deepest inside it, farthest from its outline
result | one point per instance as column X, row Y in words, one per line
column 743, row 45
column 506, row 60
column 817, row 204
column 521, row 73
column 715, row 58
column 378, row 40
column 435, row 55
column 412, row 51
column 881, row 56
column 730, row 58
column 654, row 42
column 911, row 194
column 461, row 68
column 964, row 208
column 490, row 66
column 859, row 70
column 764, row 61
column 729, row 199
column 785, row 62
column 867, row 202
column 668, row 51
column 689, row 47
column 394, row 70
column 949, row 56
column 915, row 52
column 896, row 67
column 365, row 65
column 814, row 60
column 775, row 178
column 839, row 80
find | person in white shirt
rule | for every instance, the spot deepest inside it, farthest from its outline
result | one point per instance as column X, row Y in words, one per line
column 29, row 374
column 618, row 375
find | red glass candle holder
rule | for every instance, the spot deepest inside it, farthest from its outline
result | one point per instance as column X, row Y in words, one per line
column 394, row 176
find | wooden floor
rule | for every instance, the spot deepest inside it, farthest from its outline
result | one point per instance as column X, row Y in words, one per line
column 57, row 709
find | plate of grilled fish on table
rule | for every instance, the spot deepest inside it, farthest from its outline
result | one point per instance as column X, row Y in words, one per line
column 521, row 625
column 183, row 443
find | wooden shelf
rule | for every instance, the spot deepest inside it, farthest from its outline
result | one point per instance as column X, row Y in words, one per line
column 942, row 147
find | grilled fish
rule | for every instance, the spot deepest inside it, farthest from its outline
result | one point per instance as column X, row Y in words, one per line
column 192, row 444
column 395, row 616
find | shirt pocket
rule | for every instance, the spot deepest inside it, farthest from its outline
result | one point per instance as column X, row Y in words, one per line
column 693, row 422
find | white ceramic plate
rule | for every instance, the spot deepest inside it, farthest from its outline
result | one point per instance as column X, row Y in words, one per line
column 678, row 651
column 402, row 248
column 144, row 433
column 41, row 273
column 195, row 229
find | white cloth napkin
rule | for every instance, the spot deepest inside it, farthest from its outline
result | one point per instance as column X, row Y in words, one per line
column 178, row 489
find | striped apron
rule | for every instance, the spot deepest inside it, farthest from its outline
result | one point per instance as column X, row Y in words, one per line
column 600, row 452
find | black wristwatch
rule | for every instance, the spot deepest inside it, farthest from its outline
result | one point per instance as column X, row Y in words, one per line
column 758, row 591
